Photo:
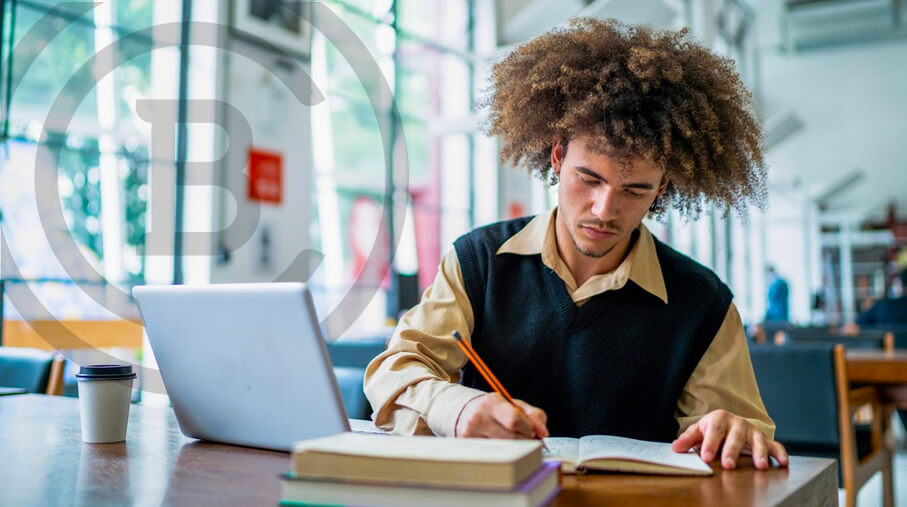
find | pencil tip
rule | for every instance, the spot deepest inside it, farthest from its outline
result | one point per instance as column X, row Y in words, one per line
column 456, row 334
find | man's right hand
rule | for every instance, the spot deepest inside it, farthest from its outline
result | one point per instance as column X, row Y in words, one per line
column 491, row 416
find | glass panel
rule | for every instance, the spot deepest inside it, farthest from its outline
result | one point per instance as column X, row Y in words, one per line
column 378, row 39
column 456, row 99
column 434, row 96
column 420, row 164
column 433, row 83
column 47, row 78
column 359, row 231
column 66, row 6
column 133, row 83
column 420, row 81
column 358, row 153
column 132, row 15
column 454, row 223
column 444, row 22
column 29, row 235
column 78, row 182
column 380, row 9
column 135, row 206
column 455, row 179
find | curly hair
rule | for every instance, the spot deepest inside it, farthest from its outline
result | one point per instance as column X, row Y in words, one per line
column 638, row 93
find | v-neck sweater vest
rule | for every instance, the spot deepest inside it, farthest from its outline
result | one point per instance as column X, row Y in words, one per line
column 615, row 365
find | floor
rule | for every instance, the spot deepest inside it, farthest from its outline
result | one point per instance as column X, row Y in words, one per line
column 870, row 494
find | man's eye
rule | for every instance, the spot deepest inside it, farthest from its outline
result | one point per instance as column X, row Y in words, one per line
column 591, row 183
column 635, row 194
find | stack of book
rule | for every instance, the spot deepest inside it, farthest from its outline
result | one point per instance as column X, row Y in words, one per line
column 379, row 470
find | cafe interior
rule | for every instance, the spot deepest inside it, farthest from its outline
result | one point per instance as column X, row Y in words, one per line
column 207, row 142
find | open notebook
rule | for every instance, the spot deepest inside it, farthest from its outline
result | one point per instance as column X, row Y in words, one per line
column 619, row 454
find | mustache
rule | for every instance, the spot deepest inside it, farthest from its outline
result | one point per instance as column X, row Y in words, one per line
column 598, row 224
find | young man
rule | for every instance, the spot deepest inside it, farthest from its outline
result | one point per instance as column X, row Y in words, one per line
column 584, row 316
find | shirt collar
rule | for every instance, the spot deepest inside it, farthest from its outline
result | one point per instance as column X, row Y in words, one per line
column 641, row 264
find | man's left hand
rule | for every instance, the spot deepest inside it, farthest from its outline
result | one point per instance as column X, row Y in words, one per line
column 723, row 431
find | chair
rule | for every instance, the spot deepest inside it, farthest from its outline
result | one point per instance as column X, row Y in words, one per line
column 36, row 371
column 898, row 331
column 866, row 339
column 349, row 358
column 807, row 394
column 765, row 332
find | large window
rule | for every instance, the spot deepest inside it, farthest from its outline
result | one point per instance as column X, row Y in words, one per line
column 425, row 51
column 70, row 78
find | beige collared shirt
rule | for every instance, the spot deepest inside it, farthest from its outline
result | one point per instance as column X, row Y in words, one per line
column 413, row 385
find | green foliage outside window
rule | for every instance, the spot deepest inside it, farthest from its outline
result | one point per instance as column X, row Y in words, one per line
column 44, row 72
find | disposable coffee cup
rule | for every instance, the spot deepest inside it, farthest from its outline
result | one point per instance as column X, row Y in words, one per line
column 105, row 391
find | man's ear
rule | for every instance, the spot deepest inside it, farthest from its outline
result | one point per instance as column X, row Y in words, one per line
column 557, row 154
column 663, row 186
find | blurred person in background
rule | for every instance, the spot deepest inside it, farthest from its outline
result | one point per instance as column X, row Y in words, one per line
column 778, row 296
column 887, row 311
column 887, row 314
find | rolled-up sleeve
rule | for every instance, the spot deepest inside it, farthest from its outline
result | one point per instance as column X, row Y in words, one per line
column 724, row 379
column 413, row 385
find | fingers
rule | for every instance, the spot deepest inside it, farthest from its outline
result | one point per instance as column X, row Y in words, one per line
column 760, row 449
column 779, row 453
column 690, row 438
column 715, row 431
column 721, row 430
column 494, row 429
column 537, row 417
column 511, row 419
column 733, row 444
column 491, row 416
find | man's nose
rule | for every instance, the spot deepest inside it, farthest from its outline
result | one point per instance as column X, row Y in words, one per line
column 607, row 204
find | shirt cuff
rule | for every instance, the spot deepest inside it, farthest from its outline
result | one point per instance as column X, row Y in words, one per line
column 446, row 406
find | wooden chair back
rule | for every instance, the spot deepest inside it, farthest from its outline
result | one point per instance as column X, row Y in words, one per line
column 807, row 393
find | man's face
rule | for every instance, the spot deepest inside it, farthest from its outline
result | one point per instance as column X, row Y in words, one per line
column 599, row 201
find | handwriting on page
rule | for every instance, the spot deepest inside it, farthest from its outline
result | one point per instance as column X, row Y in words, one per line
column 561, row 448
column 600, row 446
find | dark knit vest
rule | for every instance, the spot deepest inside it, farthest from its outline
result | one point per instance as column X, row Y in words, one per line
column 615, row 365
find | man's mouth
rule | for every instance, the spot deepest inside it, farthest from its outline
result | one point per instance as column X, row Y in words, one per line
column 595, row 233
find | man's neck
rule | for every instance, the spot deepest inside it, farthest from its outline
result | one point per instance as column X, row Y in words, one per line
column 583, row 267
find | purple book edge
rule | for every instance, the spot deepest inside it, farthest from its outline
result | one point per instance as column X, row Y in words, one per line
column 547, row 468
column 551, row 496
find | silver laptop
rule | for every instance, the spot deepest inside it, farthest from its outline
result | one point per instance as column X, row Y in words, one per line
column 243, row 364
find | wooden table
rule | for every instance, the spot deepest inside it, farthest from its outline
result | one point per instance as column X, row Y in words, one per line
column 45, row 463
column 877, row 366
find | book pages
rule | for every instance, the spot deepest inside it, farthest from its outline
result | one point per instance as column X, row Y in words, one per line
column 561, row 449
column 464, row 450
column 598, row 447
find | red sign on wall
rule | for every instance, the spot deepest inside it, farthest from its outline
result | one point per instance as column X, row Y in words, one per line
column 265, row 176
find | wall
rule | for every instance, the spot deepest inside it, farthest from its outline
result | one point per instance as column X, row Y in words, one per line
column 260, row 240
column 851, row 101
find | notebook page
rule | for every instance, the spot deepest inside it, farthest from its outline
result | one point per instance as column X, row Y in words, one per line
column 561, row 449
column 612, row 447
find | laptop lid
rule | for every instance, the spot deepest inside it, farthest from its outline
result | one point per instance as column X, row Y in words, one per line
column 243, row 364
